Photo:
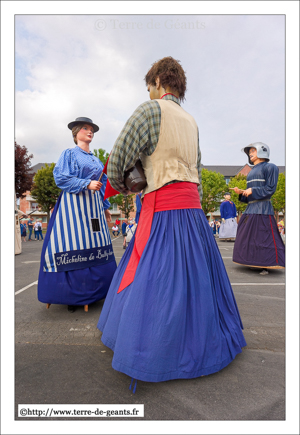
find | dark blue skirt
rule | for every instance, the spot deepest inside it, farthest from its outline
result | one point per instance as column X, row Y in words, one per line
column 179, row 318
column 75, row 287
column 258, row 242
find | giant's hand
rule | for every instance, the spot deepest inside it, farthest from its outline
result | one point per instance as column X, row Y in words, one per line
column 107, row 215
column 94, row 185
column 237, row 190
column 247, row 192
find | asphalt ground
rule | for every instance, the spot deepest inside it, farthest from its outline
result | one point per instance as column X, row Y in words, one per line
column 60, row 359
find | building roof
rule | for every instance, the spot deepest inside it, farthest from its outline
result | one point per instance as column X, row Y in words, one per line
column 231, row 171
column 38, row 166
column 227, row 171
column 281, row 169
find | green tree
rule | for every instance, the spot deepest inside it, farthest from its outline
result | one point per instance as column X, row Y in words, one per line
column 101, row 154
column 278, row 199
column 23, row 176
column 214, row 187
column 44, row 189
column 239, row 181
column 125, row 203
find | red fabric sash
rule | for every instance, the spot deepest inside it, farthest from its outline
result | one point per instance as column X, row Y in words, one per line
column 172, row 197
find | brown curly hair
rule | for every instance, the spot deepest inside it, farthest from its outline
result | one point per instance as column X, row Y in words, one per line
column 170, row 73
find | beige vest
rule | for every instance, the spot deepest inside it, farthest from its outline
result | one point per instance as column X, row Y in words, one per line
column 176, row 153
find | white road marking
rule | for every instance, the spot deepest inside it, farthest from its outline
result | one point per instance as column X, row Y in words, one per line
column 35, row 282
column 259, row 296
column 25, row 288
column 233, row 283
column 117, row 237
column 27, row 262
column 258, row 283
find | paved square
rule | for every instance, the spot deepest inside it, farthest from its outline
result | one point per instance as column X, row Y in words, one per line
column 60, row 359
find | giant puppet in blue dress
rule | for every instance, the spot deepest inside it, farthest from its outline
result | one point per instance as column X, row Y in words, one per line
column 170, row 311
column 77, row 260
column 228, row 226
column 258, row 242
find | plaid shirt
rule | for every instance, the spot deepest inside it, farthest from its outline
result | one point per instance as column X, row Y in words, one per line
column 139, row 135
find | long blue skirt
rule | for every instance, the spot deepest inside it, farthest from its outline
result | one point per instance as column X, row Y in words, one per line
column 258, row 242
column 178, row 318
column 73, row 287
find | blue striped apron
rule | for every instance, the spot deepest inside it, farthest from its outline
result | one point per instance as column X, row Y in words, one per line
column 79, row 235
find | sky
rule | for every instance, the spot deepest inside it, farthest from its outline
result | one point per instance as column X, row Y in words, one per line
column 67, row 66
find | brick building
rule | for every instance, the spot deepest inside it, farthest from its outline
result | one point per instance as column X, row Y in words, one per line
column 28, row 205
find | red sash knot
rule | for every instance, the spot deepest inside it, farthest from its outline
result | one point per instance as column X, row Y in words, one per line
column 174, row 196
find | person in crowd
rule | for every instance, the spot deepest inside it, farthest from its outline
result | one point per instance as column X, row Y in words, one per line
column 124, row 225
column 130, row 230
column 36, row 230
column 30, row 224
column 115, row 230
column 280, row 226
column 40, row 230
column 258, row 243
column 228, row 226
column 282, row 233
column 170, row 312
column 23, row 228
column 77, row 260
column 215, row 227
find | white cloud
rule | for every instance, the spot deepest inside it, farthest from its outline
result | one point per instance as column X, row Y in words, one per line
column 234, row 65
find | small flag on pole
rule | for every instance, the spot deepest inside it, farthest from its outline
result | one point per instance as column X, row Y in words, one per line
column 109, row 191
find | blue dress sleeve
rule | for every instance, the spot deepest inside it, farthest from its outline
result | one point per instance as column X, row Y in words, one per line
column 271, row 172
column 66, row 174
column 243, row 198
column 106, row 203
column 222, row 210
column 234, row 209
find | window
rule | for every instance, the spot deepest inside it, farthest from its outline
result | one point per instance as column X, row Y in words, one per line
column 115, row 207
column 34, row 206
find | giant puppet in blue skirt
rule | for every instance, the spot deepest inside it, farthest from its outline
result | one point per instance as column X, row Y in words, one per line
column 178, row 318
column 77, row 260
column 228, row 226
column 258, row 242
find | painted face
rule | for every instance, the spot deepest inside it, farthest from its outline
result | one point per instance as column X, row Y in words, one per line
column 86, row 133
column 253, row 154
